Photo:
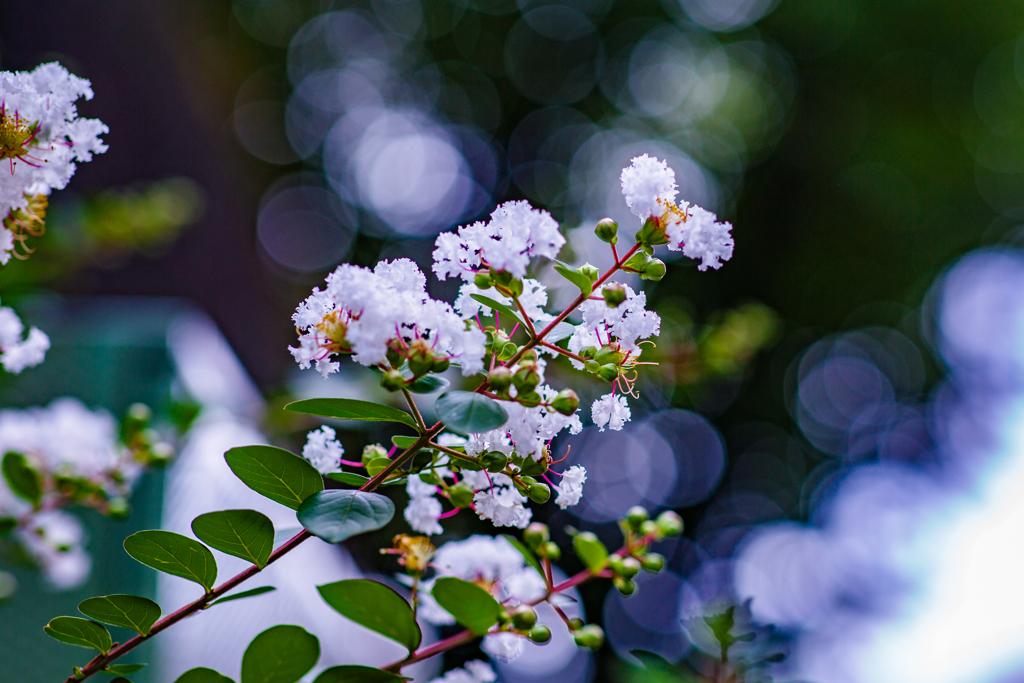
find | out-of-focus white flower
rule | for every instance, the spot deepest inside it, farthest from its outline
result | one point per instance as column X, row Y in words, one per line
column 16, row 353
column 323, row 450
column 629, row 322
column 503, row 646
column 363, row 312
column 477, row 671
column 515, row 234
column 570, row 488
column 479, row 557
column 423, row 509
column 54, row 540
column 41, row 135
column 610, row 410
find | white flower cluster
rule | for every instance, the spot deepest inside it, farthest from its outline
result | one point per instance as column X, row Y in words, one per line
column 18, row 352
column 649, row 186
column 68, row 439
column 627, row 323
column 610, row 410
column 516, row 233
column 424, row 509
column 476, row 671
column 41, row 136
column 323, row 451
column 362, row 312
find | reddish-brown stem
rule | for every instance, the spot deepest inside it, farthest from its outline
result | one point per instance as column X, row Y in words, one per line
column 526, row 318
column 437, row 648
column 570, row 354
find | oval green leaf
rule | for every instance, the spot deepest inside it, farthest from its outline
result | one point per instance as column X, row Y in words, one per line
column 591, row 551
column 497, row 306
column 357, row 480
column 252, row 593
column 122, row 670
column 351, row 673
column 281, row 476
column 175, row 554
column 339, row 514
column 80, row 632
column 281, row 654
column 576, row 277
column 469, row 412
column 404, row 442
column 376, row 607
column 562, row 330
column 471, row 605
column 130, row 611
column 243, row 533
column 351, row 409
column 427, row 384
column 201, row 674
column 22, row 478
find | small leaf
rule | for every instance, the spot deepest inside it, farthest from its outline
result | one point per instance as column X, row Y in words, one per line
column 351, row 673
column 376, row 607
column 471, row 605
column 591, row 551
column 281, row 654
column 357, row 480
column 575, row 276
column 80, row 632
column 469, row 412
column 22, row 478
column 351, row 409
column 243, row 533
column 174, row 554
column 427, row 384
column 244, row 594
column 530, row 558
column 563, row 330
column 404, row 442
column 130, row 611
column 122, row 669
column 339, row 514
column 498, row 306
column 281, row 476
column 201, row 674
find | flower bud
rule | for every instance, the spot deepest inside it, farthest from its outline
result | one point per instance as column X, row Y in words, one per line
column 653, row 270
column 516, row 287
column 608, row 372
column 533, row 467
column 500, row 379
column 494, row 461
column 392, row 380
column 552, row 551
column 652, row 233
column 507, row 351
column 440, row 365
column 624, row 586
column 670, row 523
column 524, row 617
column 529, row 399
column 502, row 277
column 394, row 357
column 421, row 358
column 592, row 273
column 630, row 567
column 590, row 636
column 587, row 352
column 653, row 563
column 636, row 516
column 373, row 451
column 615, row 564
column 375, row 466
column 460, row 495
column 566, row 402
column 575, row 624
column 536, row 535
column 540, row 493
column 650, row 528
column 614, row 294
column 609, row 353
column 592, row 366
column 637, row 261
column 540, row 634
column 483, row 280
column 118, row 508
column 607, row 230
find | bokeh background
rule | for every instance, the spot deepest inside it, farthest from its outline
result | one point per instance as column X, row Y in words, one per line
column 837, row 410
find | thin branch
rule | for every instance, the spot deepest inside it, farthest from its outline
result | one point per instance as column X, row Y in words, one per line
column 415, row 411
column 559, row 349
column 529, row 323
column 453, row 453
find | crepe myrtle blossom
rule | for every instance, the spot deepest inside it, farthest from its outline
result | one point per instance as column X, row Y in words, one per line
column 323, row 450
column 41, row 137
column 649, row 186
column 570, row 487
column 627, row 323
column 610, row 410
column 18, row 352
column 476, row 671
column 367, row 313
column 516, row 233
column 497, row 499
column 423, row 510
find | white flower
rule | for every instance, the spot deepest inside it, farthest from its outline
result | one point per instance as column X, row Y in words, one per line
column 479, row 557
column 477, row 671
column 628, row 322
column 611, row 410
column 503, row 505
column 702, row 237
column 54, row 540
column 534, row 298
column 516, row 233
column 570, row 488
column 646, row 181
column 43, row 137
column 323, row 451
column 503, row 646
column 422, row 513
column 16, row 353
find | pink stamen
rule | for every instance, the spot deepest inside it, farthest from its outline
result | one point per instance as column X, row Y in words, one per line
column 545, row 477
column 350, row 463
column 392, row 451
column 450, row 513
column 512, row 333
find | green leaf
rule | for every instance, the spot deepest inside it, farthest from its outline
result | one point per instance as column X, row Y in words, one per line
column 339, row 514
column 530, row 558
column 281, row 476
column 427, row 384
column 201, row 674
column 357, row 480
column 130, row 611
column 174, row 554
column 351, row 673
column 591, row 551
column 80, row 632
column 243, row 533
column 7, row 525
column 498, row 306
column 281, row 654
column 244, row 594
column 22, row 478
column 122, row 669
column 471, row 605
column 376, row 607
column 351, row 409
column 404, row 442
column 563, row 330
column 469, row 412
column 575, row 276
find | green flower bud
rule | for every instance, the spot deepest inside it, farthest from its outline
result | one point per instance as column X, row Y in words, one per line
column 614, row 294
column 552, row 551
column 529, row 399
column 630, row 567
column 624, row 586
column 460, row 495
column 540, row 634
column 536, row 535
column 394, row 357
column 652, row 234
column 440, row 365
column 524, row 617
column 566, row 402
column 160, row 453
column 670, row 523
column 502, row 277
column 592, row 273
column 615, row 564
column 540, row 493
column 575, row 624
column 373, row 451
column 609, row 353
column 608, row 372
column 636, row 516
column 590, row 636
column 483, row 280
column 421, row 358
column 587, row 352
column 526, row 483
column 607, row 230
column 653, row 563
column 392, row 380
column 650, row 528
column 534, row 467
column 653, row 270
column 494, row 461
column 516, row 287
column 500, row 379
column 507, row 351
column 118, row 508
column 592, row 366
column 637, row 261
